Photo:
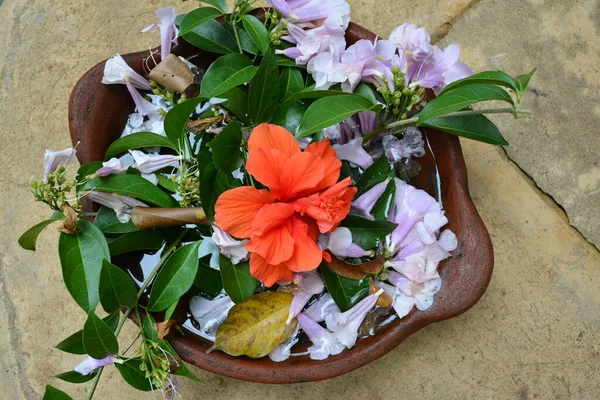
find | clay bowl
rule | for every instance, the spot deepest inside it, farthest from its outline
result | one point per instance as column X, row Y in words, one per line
column 97, row 115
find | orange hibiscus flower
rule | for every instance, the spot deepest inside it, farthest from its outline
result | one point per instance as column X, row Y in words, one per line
column 304, row 198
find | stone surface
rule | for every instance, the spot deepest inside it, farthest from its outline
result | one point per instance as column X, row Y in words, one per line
column 559, row 146
column 534, row 334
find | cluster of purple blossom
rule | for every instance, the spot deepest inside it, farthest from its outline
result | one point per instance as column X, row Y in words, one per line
column 317, row 29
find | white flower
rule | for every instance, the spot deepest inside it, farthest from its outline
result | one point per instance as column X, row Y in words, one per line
column 210, row 313
column 52, row 159
column 168, row 30
column 117, row 71
column 89, row 365
column 122, row 205
column 231, row 248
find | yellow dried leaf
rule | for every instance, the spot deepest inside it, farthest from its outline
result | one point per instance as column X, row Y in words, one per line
column 256, row 326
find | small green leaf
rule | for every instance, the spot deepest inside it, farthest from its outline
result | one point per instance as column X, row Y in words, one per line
column 382, row 208
column 310, row 93
column 345, row 292
column 99, row 340
column 213, row 183
column 76, row 377
column 367, row 233
column 257, row 32
column 226, row 148
column 132, row 374
column 328, row 111
column 245, row 40
column 263, row 95
column 74, row 343
column 237, row 281
column 149, row 328
column 137, row 141
column 53, row 393
column 29, row 238
column 220, row 4
column 289, row 115
column 378, row 172
column 460, row 98
column 290, row 83
column 212, row 37
column 523, row 82
column 170, row 310
column 237, row 103
column 367, row 92
column 226, row 73
column 81, row 257
column 134, row 186
column 196, row 18
column 116, row 288
column 475, row 127
column 175, row 278
column 256, row 326
column 85, row 170
column 166, row 183
column 176, row 120
column 486, row 77
column 208, row 279
column 106, row 220
column 134, row 241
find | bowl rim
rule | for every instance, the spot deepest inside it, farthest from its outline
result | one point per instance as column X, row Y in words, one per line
column 472, row 261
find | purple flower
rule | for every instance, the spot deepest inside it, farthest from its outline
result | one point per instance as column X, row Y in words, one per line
column 231, row 248
column 52, row 159
column 410, row 293
column 90, row 364
column 368, row 61
column 446, row 69
column 339, row 242
column 122, row 205
column 312, row 10
column 168, row 30
column 112, row 166
column 412, row 41
column 142, row 106
column 358, row 125
column 284, row 350
column 326, row 70
column 310, row 284
column 354, row 152
column 365, row 203
column 345, row 325
column 150, row 163
column 424, row 234
column 116, row 71
column 324, row 306
column 210, row 313
column 411, row 145
column 324, row 342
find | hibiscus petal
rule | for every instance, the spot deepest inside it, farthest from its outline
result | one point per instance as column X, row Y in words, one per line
column 307, row 255
column 268, row 136
column 267, row 165
column 301, row 172
column 236, row 209
column 276, row 245
column 268, row 274
column 271, row 216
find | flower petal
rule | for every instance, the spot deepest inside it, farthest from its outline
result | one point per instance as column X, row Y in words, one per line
column 300, row 173
column 266, row 165
column 268, row 136
column 268, row 274
column 276, row 243
column 236, row 209
column 307, row 255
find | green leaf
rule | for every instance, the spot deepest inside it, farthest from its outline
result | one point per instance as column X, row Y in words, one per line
column 53, row 393
column 106, row 220
column 378, row 172
column 290, row 83
column 133, row 375
column 220, row 4
column 311, row 93
column 81, row 257
column 137, row 141
column 237, row 281
column 74, row 343
column 289, row 115
column 166, row 183
column 475, row 127
column 345, row 292
column 175, row 278
column 212, row 37
column 263, row 95
column 382, row 208
column 367, row 233
column 208, row 279
column 213, row 183
column 99, row 340
column 116, row 288
column 29, row 238
column 85, row 170
column 460, row 98
column 170, row 310
column 367, row 92
column 176, row 120
column 76, row 377
column 133, row 186
column 134, row 241
column 523, row 82
column 196, row 18
column 181, row 369
column 149, row 328
column 245, row 39
column 328, row 111
column 226, row 73
column 486, row 77
column 257, row 32
column 226, row 148
column 237, row 103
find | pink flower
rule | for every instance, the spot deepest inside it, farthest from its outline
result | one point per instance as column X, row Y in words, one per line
column 89, row 365
column 168, row 30
column 354, row 152
column 310, row 284
column 231, row 248
column 413, row 41
column 312, row 10
column 324, row 306
column 324, row 343
column 112, row 166
column 369, row 62
column 365, row 203
column 445, row 69
column 406, row 294
column 122, row 205
column 116, row 71
column 358, row 125
column 142, row 106
column 52, row 159
column 150, row 163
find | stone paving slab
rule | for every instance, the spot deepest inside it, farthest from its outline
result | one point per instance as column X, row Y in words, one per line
column 534, row 334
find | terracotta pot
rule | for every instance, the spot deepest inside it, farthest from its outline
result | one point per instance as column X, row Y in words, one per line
column 97, row 115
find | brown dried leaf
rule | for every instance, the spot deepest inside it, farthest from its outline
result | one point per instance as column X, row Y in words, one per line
column 164, row 328
column 356, row 271
column 200, row 125
column 173, row 74
column 70, row 225
column 150, row 218
column 256, row 326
